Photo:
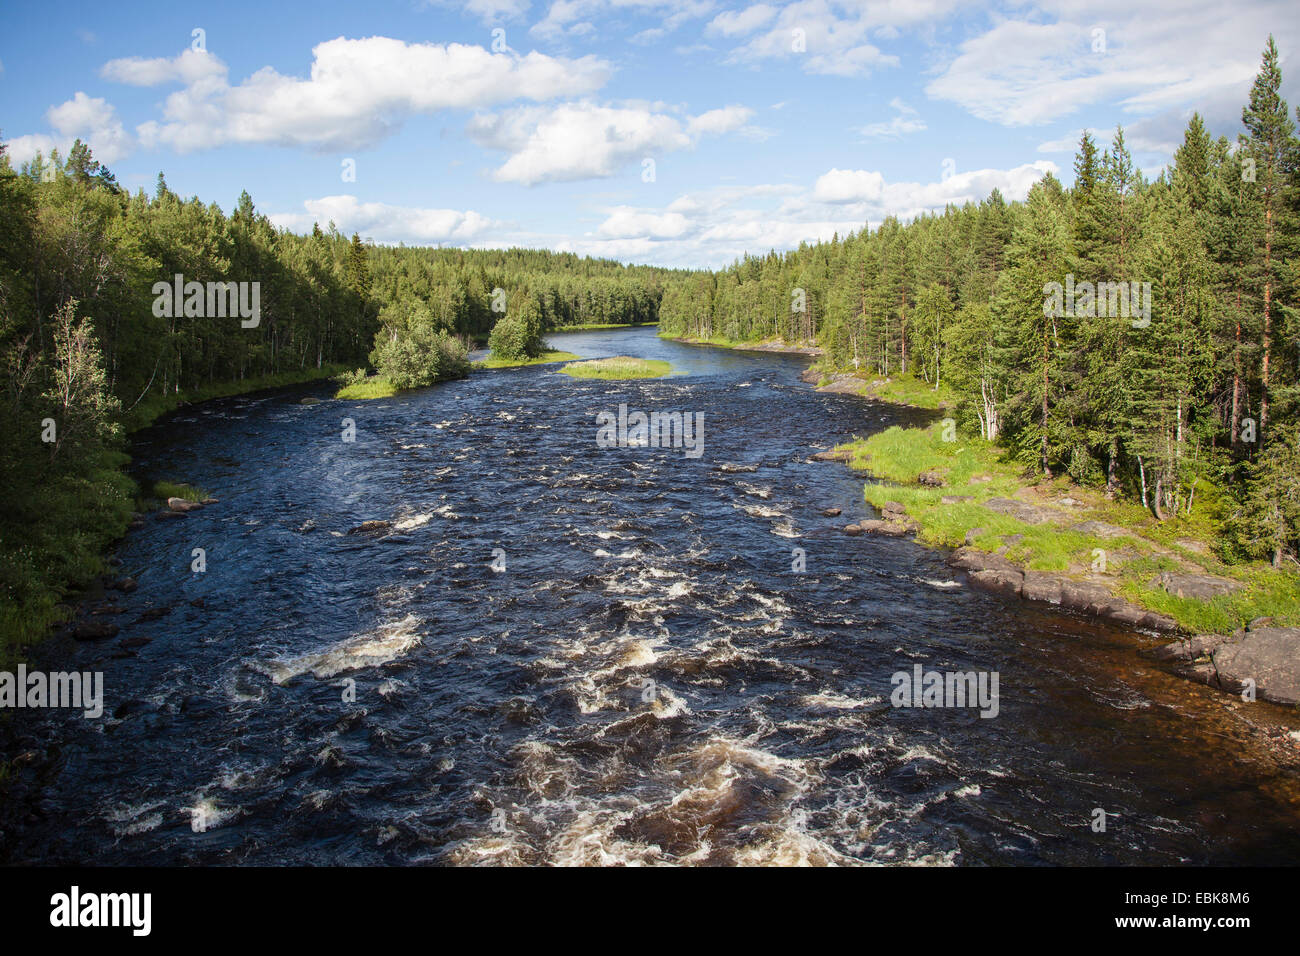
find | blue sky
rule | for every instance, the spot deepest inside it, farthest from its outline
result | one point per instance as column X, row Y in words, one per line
column 766, row 123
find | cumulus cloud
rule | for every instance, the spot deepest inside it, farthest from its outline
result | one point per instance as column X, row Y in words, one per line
column 388, row 223
column 91, row 119
column 870, row 195
column 357, row 93
column 587, row 141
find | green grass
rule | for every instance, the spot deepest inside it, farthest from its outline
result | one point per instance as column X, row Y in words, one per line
column 373, row 386
column 595, row 326
column 546, row 358
column 155, row 406
column 897, row 456
column 162, row 490
column 618, row 367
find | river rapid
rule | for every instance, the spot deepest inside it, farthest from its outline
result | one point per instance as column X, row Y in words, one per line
column 565, row 654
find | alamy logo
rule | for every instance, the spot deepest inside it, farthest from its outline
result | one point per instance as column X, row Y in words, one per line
column 84, row 692
column 208, row 300
column 946, row 689
column 1105, row 299
column 656, row 430
column 73, row 909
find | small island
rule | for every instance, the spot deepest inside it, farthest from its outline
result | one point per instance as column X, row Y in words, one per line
column 618, row 367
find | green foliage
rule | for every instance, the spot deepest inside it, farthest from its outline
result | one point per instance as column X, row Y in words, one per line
column 618, row 367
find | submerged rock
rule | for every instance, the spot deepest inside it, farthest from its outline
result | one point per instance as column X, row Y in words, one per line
column 370, row 527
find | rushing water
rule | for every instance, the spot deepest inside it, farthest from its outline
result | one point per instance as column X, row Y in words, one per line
column 508, row 716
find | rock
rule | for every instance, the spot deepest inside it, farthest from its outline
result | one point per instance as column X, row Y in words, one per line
column 981, row 479
column 310, row 400
column 1189, row 650
column 972, row 534
column 1099, row 529
column 1201, row 587
column 973, row 559
column 999, row 581
column 153, row 614
column 893, row 511
column 183, row 505
column 1021, row 511
column 108, row 609
column 1268, row 655
column 931, row 478
column 308, row 525
column 852, row 529
column 370, row 527
column 210, row 501
column 955, row 499
column 1259, row 622
column 171, row 514
column 894, row 528
column 94, row 631
column 1041, row 587
column 833, row 455
column 125, row 585
column 131, row 643
column 831, row 513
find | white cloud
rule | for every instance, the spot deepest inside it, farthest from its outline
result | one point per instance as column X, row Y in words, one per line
column 732, row 23
column 386, row 223
column 189, row 67
column 358, row 92
column 873, row 198
column 93, row 120
column 1161, row 54
column 586, row 141
column 907, row 121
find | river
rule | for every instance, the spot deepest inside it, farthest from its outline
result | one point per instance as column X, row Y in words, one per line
column 560, row 653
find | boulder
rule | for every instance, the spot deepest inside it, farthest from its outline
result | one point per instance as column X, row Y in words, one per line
column 833, row 455
column 1201, row 587
column 125, row 585
column 1268, row 655
column 893, row 511
column 852, row 529
column 931, row 478
column 894, row 528
column 831, row 513
column 183, row 504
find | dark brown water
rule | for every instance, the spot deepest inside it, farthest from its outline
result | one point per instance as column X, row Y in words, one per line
column 507, row 716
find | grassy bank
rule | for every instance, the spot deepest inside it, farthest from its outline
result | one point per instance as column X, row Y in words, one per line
column 597, row 326
column 546, row 358
column 1136, row 547
column 618, row 367
column 154, row 407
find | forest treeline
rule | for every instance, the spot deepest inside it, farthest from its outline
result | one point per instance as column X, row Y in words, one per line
column 88, row 349
column 1141, row 335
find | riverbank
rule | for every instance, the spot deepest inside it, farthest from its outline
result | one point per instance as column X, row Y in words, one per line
column 53, row 565
column 1059, row 543
column 763, row 345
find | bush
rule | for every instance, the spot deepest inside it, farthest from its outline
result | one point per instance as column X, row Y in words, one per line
column 419, row 357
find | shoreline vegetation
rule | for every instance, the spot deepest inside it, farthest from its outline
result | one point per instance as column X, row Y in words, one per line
column 1052, row 540
column 618, row 367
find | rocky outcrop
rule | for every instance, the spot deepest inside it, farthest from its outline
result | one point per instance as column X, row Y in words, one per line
column 1267, row 656
column 1022, row 511
column 833, row 455
column 993, row 572
column 1202, row 587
